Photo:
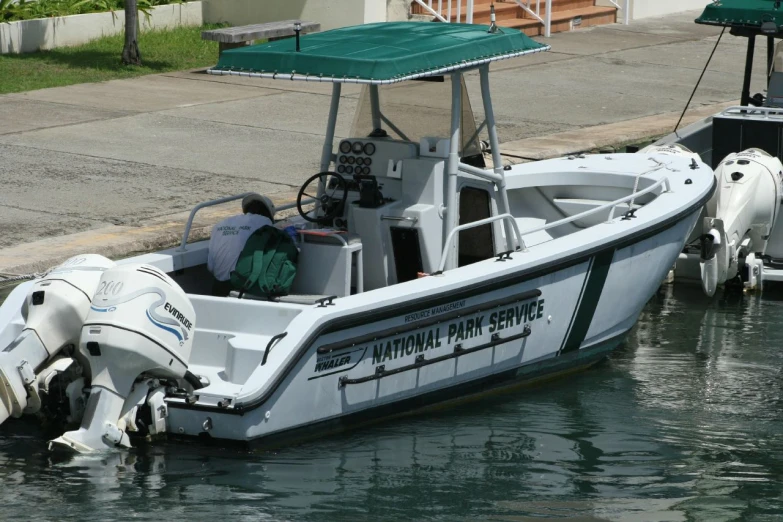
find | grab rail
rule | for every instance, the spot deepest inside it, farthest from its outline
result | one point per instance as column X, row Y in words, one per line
column 766, row 112
column 220, row 201
column 612, row 205
column 473, row 224
column 421, row 360
column 488, row 175
column 271, row 344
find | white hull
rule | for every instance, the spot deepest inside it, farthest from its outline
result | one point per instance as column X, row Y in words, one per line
column 580, row 311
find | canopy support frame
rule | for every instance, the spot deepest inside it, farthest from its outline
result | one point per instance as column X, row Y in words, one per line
column 326, row 152
column 745, row 99
column 452, row 170
column 497, row 161
column 375, row 105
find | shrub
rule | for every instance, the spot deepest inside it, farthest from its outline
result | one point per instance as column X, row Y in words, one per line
column 11, row 11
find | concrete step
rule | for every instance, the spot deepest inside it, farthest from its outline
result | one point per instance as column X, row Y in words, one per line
column 558, row 6
column 565, row 20
column 481, row 11
column 510, row 9
column 566, row 14
column 481, row 8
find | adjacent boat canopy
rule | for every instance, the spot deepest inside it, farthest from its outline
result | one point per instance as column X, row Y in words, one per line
column 755, row 16
column 379, row 53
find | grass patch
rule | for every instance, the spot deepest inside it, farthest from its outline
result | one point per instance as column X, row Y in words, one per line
column 97, row 61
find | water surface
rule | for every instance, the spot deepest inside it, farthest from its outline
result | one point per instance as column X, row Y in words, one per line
column 683, row 422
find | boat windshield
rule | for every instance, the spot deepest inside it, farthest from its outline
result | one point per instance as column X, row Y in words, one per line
column 415, row 109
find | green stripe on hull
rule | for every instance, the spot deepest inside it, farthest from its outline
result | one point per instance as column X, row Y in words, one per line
column 589, row 301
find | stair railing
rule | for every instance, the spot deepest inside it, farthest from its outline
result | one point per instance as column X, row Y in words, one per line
column 438, row 12
column 625, row 8
column 436, row 9
column 547, row 20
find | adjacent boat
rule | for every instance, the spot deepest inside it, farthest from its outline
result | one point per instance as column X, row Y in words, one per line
column 740, row 236
column 423, row 277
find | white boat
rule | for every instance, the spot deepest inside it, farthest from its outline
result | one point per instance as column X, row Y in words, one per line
column 423, row 280
column 739, row 238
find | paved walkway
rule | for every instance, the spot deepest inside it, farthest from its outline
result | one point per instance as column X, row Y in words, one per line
column 117, row 163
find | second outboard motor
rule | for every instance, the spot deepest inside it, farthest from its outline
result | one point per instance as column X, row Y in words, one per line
column 745, row 212
column 672, row 149
column 141, row 323
column 54, row 311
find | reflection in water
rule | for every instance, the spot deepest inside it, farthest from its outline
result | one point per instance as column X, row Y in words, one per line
column 681, row 424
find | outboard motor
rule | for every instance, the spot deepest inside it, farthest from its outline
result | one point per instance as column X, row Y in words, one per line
column 745, row 212
column 141, row 323
column 672, row 149
column 54, row 311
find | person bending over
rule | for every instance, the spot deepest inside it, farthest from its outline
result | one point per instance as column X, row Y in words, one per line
column 228, row 238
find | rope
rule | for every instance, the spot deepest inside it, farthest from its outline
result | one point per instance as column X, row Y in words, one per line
column 698, row 82
column 7, row 279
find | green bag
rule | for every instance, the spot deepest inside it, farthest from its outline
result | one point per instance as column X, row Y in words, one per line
column 267, row 265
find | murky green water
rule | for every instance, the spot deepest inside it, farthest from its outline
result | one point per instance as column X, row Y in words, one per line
column 682, row 423
column 4, row 291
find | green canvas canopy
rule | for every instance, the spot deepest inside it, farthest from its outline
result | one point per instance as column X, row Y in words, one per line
column 379, row 53
column 744, row 14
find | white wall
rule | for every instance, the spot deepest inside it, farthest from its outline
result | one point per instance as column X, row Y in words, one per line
column 49, row 33
column 329, row 13
column 649, row 8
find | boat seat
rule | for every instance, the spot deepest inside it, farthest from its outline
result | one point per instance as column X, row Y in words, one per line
column 330, row 263
column 329, row 238
column 230, row 358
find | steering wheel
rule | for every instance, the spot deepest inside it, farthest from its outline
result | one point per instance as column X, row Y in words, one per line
column 329, row 204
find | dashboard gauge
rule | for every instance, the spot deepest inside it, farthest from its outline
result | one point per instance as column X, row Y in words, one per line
column 345, row 147
column 368, row 161
column 366, row 171
column 360, row 161
column 343, row 159
column 369, row 148
column 349, row 170
column 357, row 148
column 341, row 169
column 351, row 160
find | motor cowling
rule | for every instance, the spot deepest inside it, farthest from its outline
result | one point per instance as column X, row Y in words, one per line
column 741, row 214
column 141, row 324
column 54, row 310
column 671, row 149
column 749, row 195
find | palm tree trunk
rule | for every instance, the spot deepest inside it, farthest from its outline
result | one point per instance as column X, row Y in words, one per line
column 130, row 53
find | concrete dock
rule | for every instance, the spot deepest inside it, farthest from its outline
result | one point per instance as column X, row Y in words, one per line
column 114, row 167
